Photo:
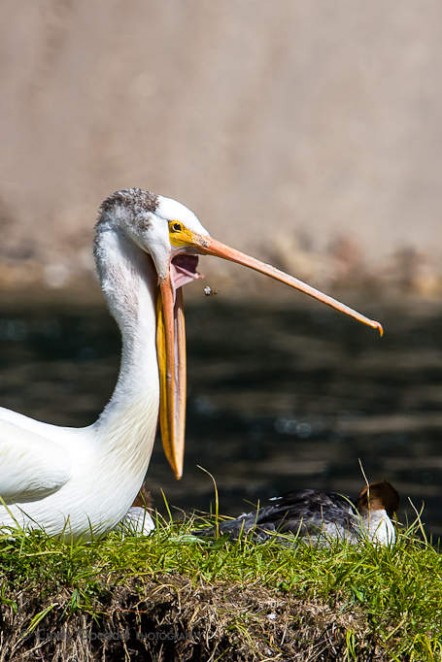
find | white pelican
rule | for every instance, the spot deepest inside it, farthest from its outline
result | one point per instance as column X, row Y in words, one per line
column 82, row 480
column 320, row 517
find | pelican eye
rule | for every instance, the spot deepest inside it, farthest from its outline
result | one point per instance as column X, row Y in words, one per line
column 175, row 226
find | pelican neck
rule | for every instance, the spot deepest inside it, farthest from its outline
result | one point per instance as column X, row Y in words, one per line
column 129, row 284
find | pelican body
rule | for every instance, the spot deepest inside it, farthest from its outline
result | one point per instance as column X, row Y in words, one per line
column 320, row 517
column 79, row 481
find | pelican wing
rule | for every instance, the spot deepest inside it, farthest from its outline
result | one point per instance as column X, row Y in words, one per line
column 31, row 466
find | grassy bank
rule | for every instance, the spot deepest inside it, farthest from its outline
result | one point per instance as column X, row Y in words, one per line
column 171, row 596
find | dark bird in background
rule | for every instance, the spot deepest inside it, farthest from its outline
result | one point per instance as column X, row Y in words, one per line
column 320, row 517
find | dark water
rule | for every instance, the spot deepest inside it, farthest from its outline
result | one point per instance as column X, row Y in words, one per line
column 279, row 397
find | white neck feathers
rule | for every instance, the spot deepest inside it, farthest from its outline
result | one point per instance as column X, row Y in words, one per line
column 127, row 425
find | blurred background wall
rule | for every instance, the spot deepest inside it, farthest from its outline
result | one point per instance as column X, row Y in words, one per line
column 297, row 130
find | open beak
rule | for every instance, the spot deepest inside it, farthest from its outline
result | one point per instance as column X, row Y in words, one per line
column 171, row 350
column 209, row 246
column 171, row 341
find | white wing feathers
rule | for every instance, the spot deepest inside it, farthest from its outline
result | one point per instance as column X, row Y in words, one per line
column 31, row 466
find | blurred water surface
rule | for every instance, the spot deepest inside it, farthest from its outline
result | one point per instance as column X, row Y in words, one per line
column 279, row 397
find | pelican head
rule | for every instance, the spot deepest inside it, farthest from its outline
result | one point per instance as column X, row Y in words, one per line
column 145, row 217
column 173, row 237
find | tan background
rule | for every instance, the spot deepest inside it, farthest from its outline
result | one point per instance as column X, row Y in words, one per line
column 270, row 118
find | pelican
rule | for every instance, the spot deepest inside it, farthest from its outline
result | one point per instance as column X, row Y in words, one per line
column 320, row 517
column 84, row 480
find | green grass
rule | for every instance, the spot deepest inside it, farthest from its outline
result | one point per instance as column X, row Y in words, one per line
column 384, row 600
